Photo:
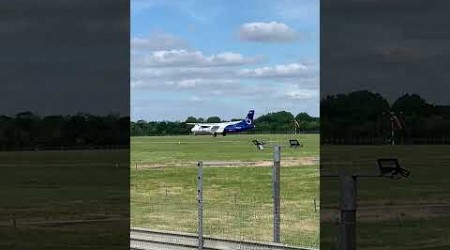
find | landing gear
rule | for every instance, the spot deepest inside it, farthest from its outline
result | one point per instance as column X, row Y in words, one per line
column 224, row 134
column 215, row 134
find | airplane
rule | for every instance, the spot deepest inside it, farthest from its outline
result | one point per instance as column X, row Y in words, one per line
column 224, row 127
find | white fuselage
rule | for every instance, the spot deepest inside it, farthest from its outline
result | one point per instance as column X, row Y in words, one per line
column 211, row 128
column 224, row 127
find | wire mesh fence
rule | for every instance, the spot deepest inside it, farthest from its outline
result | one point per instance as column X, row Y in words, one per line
column 237, row 202
column 163, row 200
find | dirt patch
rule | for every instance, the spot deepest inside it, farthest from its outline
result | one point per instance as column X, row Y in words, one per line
column 286, row 162
column 291, row 162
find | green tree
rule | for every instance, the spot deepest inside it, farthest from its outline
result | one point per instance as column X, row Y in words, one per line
column 304, row 117
column 411, row 105
column 191, row 119
column 213, row 119
column 275, row 122
column 354, row 116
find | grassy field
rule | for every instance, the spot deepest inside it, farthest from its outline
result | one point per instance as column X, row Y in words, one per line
column 177, row 149
column 410, row 213
column 427, row 165
column 237, row 200
column 43, row 190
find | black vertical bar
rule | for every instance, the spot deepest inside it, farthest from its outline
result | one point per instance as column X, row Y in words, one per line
column 276, row 193
column 200, row 204
column 348, row 212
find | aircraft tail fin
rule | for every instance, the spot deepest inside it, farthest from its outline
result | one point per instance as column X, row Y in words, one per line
column 249, row 118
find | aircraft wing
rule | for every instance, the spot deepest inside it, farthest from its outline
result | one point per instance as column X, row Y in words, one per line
column 204, row 124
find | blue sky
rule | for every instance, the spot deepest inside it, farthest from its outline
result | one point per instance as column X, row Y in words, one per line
column 208, row 58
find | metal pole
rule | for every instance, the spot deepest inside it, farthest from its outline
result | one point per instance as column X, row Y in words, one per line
column 392, row 131
column 200, row 204
column 276, row 193
column 348, row 212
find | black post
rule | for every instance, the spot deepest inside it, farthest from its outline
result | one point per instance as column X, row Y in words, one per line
column 200, row 204
column 348, row 212
column 276, row 193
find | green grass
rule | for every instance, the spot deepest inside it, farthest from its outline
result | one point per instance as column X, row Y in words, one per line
column 101, row 236
column 427, row 165
column 46, row 186
column 170, row 149
column 407, row 227
column 237, row 200
column 402, row 235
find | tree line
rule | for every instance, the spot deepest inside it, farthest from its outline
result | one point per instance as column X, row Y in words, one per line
column 276, row 122
column 363, row 117
column 354, row 118
column 27, row 131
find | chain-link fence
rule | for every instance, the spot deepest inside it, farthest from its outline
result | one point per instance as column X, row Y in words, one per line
column 237, row 202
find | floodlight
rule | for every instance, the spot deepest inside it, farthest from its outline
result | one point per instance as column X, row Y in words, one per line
column 390, row 167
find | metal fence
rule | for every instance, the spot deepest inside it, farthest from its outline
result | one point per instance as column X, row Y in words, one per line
column 236, row 204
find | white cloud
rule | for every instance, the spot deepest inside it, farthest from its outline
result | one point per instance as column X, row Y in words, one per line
column 158, row 41
column 294, row 92
column 300, row 95
column 277, row 71
column 170, row 71
column 203, row 84
column 195, row 99
column 219, row 87
column 267, row 32
column 189, row 84
column 180, row 73
column 186, row 58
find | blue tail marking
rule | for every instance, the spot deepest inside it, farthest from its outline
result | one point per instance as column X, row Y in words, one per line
column 249, row 119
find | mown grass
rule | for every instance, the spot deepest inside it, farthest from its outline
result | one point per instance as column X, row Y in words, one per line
column 169, row 149
column 237, row 200
column 101, row 236
column 427, row 165
column 399, row 234
column 47, row 186
column 413, row 225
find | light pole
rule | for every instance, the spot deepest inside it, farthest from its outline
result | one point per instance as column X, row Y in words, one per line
column 296, row 126
column 391, row 118
column 395, row 122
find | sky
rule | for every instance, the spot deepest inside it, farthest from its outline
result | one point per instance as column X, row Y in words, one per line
column 64, row 57
column 223, row 58
column 388, row 47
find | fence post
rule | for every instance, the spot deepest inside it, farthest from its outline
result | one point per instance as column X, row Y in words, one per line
column 348, row 212
column 200, row 204
column 315, row 205
column 276, row 193
column 14, row 221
